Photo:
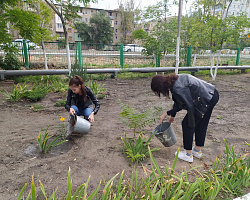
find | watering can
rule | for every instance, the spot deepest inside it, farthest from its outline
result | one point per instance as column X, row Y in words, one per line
column 165, row 133
column 77, row 126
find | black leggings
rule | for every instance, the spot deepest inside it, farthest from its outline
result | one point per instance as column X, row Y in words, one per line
column 200, row 129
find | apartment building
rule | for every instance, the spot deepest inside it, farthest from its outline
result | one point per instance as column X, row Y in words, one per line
column 85, row 13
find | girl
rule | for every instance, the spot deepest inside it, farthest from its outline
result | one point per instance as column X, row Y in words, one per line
column 198, row 98
column 80, row 99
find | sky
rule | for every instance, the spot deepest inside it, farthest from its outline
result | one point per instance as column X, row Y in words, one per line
column 113, row 4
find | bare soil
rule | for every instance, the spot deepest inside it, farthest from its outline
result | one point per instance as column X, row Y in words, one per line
column 99, row 153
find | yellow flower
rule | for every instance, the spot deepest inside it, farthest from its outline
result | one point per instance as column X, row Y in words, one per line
column 62, row 119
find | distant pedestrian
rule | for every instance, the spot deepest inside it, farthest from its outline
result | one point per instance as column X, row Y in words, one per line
column 197, row 97
column 80, row 99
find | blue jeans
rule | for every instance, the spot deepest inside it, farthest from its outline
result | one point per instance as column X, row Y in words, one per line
column 82, row 112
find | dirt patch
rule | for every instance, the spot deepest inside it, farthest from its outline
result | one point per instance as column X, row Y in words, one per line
column 99, row 153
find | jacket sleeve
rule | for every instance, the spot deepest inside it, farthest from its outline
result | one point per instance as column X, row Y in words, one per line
column 94, row 100
column 68, row 102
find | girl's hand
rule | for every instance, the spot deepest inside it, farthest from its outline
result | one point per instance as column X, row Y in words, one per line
column 91, row 117
column 71, row 111
column 171, row 119
column 163, row 116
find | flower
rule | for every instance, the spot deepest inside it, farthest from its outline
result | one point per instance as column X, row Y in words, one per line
column 62, row 119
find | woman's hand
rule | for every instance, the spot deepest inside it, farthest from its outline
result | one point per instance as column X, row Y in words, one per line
column 171, row 119
column 71, row 111
column 91, row 117
column 163, row 116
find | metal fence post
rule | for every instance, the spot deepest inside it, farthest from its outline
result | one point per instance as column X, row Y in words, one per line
column 238, row 56
column 189, row 56
column 121, row 55
column 80, row 54
column 159, row 62
column 25, row 54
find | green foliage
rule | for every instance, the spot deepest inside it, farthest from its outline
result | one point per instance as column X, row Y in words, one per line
column 37, row 108
column 37, row 93
column 44, row 144
column 137, row 149
column 58, row 86
column 76, row 69
column 135, row 120
column 225, row 180
column 60, row 103
column 10, row 61
column 97, row 89
column 18, row 91
column 98, row 31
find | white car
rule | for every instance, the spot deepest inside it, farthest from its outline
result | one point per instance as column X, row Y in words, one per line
column 133, row 48
column 19, row 44
column 246, row 50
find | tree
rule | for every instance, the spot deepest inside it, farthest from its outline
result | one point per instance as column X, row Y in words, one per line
column 13, row 16
column 44, row 33
column 67, row 12
column 161, row 38
column 98, row 31
column 217, row 28
column 129, row 16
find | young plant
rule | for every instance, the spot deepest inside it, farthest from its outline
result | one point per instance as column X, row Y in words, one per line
column 45, row 145
column 137, row 149
column 58, row 86
column 17, row 92
column 135, row 120
column 62, row 128
column 97, row 89
column 60, row 103
column 38, row 92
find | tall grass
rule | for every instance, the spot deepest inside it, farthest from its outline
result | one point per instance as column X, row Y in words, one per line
column 228, row 176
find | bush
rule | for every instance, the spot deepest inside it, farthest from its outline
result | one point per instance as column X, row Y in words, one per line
column 10, row 62
column 37, row 93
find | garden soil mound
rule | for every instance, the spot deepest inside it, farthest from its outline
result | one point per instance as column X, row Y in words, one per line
column 99, row 154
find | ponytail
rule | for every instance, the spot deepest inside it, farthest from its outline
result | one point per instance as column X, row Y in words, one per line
column 77, row 80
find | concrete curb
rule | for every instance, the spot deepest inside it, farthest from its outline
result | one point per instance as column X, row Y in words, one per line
column 245, row 197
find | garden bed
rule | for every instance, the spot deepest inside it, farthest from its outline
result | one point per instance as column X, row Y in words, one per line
column 100, row 153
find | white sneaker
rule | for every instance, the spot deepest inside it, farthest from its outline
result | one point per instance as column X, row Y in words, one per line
column 196, row 154
column 183, row 156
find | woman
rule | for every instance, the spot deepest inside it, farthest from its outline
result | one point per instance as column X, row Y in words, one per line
column 80, row 99
column 198, row 98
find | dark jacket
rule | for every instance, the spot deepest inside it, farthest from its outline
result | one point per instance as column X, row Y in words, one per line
column 193, row 95
column 77, row 100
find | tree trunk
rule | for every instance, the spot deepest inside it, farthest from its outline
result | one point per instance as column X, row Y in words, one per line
column 44, row 55
column 178, row 38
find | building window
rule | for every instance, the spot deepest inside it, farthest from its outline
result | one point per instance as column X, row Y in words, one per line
column 86, row 11
column 70, row 30
column 116, row 37
column 116, row 30
column 91, row 12
column 110, row 21
column 86, row 20
column 110, row 13
column 79, row 36
column 116, row 22
column 59, row 25
column 116, row 14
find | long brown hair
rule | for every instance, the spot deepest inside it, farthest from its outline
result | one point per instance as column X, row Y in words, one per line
column 77, row 80
column 162, row 84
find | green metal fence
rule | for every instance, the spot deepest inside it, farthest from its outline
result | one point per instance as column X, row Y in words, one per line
column 115, row 56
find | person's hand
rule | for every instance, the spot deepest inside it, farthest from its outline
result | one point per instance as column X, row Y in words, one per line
column 171, row 119
column 91, row 117
column 163, row 116
column 71, row 111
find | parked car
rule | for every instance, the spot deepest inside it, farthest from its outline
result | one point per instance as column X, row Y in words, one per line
column 19, row 44
column 246, row 50
column 133, row 48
